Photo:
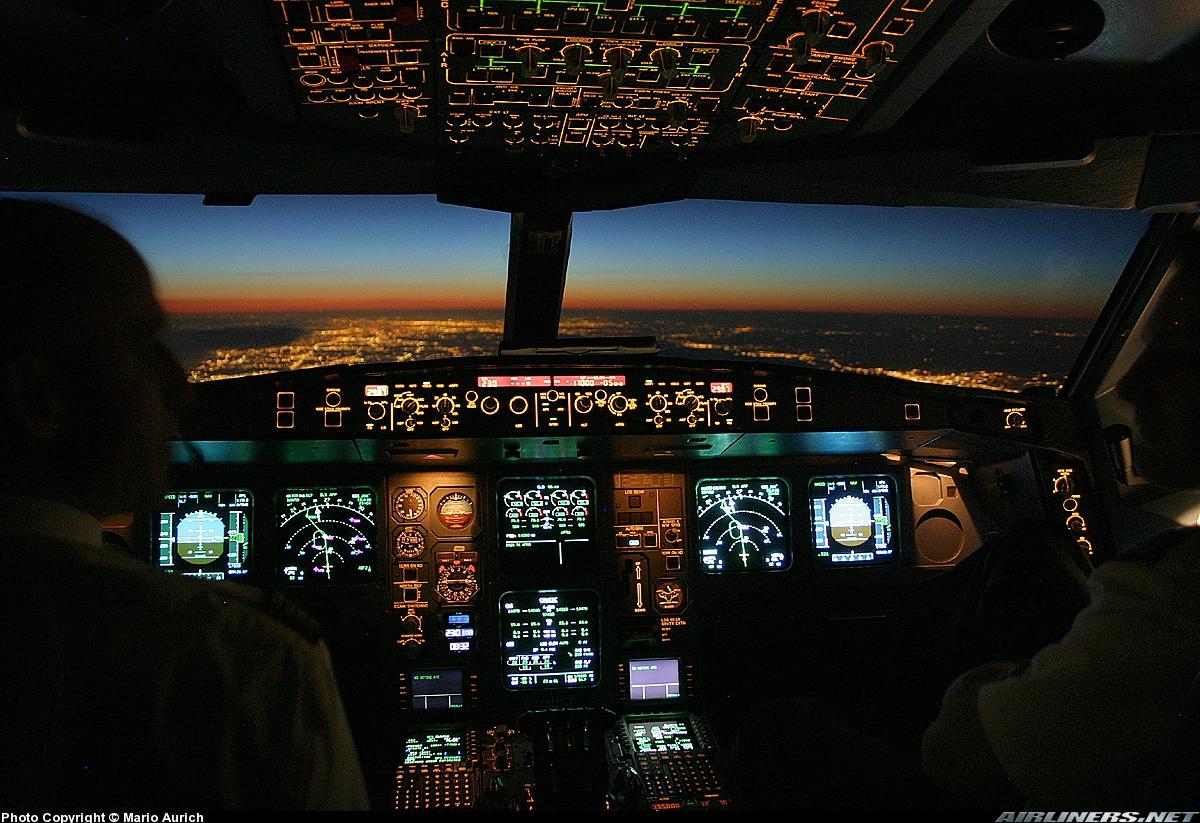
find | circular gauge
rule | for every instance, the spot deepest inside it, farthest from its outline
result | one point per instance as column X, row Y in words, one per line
column 200, row 538
column 327, row 535
column 456, row 582
column 409, row 543
column 744, row 524
column 456, row 510
column 408, row 504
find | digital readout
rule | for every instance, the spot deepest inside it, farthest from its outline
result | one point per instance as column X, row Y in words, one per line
column 546, row 381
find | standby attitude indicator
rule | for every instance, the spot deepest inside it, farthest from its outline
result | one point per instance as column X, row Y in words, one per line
column 328, row 535
column 744, row 524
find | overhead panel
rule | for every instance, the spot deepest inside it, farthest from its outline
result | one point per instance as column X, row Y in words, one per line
column 479, row 77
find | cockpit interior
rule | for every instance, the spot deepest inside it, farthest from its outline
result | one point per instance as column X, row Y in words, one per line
column 563, row 568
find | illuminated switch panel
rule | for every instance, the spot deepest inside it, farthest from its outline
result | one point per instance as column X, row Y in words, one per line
column 688, row 404
column 522, row 92
column 650, row 538
column 824, row 62
column 360, row 61
column 422, row 407
column 712, row 21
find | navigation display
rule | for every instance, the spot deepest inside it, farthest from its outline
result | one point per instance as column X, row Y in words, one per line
column 434, row 749
column 744, row 524
column 551, row 638
column 327, row 535
column 437, row 689
column 854, row 519
column 654, row 679
column 661, row 737
column 546, row 521
column 205, row 533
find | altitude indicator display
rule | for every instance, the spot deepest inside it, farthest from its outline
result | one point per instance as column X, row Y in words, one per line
column 853, row 519
column 328, row 535
column 205, row 533
column 744, row 524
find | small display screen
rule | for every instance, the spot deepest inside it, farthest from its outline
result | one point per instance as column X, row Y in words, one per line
column 854, row 519
column 661, row 737
column 327, row 535
column 745, row 524
column 654, row 679
column 205, row 533
column 437, row 689
column 434, row 749
column 551, row 638
column 546, row 521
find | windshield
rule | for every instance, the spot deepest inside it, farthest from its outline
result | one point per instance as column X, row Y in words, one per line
column 987, row 298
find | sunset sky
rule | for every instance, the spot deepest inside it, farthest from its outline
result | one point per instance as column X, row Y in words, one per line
column 385, row 253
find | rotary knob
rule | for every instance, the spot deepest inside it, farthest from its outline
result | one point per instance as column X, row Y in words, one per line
column 584, row 403
column 531, row 57
column 747, row 129
column 658, row 402
column 376, row 411
column 518, row 405
column 1076, row 524
column 816, row 24
column 406, row 119
column 873, row 58
column 618, row 404
column 721, row 406
column 409, row 406
column 618, row 60
column 667, row 60
column 677, row 111
column 800, row 48
column 690, row 402
column 444, row 405
column 574, row 56
column 489, row 405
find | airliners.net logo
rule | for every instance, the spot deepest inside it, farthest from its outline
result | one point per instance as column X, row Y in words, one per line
column 1097, row 817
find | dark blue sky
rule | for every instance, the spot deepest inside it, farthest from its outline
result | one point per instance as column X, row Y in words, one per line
column 398, row 252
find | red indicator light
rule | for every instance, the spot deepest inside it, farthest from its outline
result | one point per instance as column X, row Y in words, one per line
column 720, row 388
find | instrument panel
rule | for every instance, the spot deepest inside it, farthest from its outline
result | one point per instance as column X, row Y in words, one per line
column 498, row 397
column 599, row 77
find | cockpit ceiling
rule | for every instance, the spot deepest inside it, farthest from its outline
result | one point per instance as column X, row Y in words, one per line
column 583, row 104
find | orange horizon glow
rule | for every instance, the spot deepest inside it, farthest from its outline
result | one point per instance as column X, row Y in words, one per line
column 438, row 303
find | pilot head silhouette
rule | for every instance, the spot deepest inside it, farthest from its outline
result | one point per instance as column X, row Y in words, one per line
column 89, row 390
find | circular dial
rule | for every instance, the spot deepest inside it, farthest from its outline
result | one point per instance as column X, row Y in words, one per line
column 408, row 504
column 328, row 535
column 409, row 543
column 456, row 582
column 456, row 511
column 744, row 524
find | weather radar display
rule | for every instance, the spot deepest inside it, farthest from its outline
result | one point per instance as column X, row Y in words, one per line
column 853, row 519
column 205, row 533
column 744, row 524
column 327, row 534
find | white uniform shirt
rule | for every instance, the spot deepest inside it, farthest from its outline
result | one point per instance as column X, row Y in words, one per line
column 1087, row 723
column 123, row 683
